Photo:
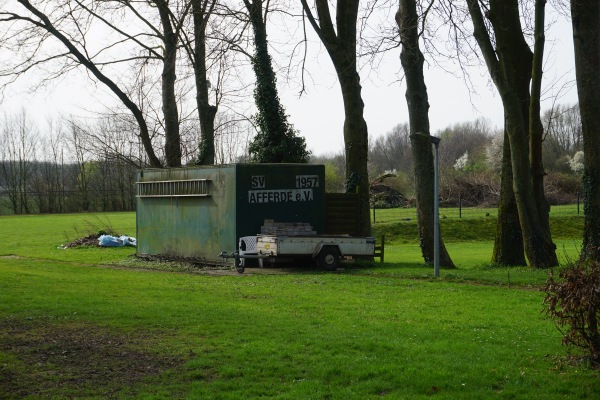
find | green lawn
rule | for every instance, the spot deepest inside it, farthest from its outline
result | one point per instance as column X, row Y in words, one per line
column 94, row 323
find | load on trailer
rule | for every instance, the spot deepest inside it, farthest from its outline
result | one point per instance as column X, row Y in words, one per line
column 325, row 250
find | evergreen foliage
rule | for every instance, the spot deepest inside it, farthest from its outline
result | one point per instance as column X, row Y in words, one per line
column 277, row 141
column 203, row 153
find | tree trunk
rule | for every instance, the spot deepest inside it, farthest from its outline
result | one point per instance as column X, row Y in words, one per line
column 509, row 71
column 540, row 251
column 169, row 99
column 536, row 128
column 585, row 16
column 340, row 43
column 508, row 244
column 206, row 112
column 418, row 114
column 356, row 143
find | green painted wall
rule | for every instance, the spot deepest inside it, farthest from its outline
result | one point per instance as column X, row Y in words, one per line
column 281, row 192
column 199, row 227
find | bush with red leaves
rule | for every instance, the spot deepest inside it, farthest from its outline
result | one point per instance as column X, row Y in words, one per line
column 573, row 302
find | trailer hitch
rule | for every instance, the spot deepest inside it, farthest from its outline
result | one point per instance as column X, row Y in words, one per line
column 238, row 258
column 238, row 263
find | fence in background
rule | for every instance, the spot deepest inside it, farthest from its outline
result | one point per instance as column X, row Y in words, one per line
column 384, row 215
column 124, row 200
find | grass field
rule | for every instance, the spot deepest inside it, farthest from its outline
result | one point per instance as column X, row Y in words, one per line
column 97, row 323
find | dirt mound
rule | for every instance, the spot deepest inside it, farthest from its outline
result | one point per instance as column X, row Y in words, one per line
column 384, row 196
column 90, row 240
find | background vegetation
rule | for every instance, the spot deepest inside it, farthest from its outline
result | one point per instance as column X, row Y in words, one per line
column 62, row 171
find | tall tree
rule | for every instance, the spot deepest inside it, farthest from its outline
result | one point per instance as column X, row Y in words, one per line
column 412, row 60
column 276, row 141
column 46, row 182
column 38, row 27
column 392, row 151
column 169, row 37
column 82, row 167
column 18, row 142
column 340, row 41
column 166, row 28
column 509, row 63
column 585, row 16
column 202, row 11
column 563, row 129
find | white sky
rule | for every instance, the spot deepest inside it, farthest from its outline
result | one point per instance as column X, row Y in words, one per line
column 318, row 114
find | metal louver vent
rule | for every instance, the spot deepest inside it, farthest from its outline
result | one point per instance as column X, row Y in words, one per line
column 183, row 188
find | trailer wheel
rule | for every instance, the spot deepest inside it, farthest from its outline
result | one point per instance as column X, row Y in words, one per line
column 239, row 265
column 329, row 258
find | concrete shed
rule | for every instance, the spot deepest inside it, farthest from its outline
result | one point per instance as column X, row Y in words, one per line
column 197, row 212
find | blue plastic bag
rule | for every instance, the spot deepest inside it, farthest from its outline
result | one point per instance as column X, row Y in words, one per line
column 109, row 241
column 113, row 241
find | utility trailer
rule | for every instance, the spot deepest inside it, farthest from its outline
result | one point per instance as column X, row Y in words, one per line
column 325, row 250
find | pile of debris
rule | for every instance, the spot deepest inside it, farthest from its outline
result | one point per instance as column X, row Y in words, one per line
column 90, row 240
column 101, row 239
column 384, row 196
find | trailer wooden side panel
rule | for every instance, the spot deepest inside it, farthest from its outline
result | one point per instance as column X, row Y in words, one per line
column 311, row 245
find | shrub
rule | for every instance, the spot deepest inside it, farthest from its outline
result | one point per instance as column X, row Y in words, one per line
column 573, row 302
column 562, row 188
column 383, row 196
column 479, row 189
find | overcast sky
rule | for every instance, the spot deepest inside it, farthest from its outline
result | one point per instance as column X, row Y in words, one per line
column 318, row 114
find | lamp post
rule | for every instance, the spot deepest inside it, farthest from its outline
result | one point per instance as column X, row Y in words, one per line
column 436, row 211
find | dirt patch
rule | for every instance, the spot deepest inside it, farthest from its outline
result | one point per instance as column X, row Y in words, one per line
column 74, row 359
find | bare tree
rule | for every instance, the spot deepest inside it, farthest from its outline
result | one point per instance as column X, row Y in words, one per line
column 471, row 137
column 563, row 128
column 109, row 136
column 47, row 184
column 391, row 151
column 232, row 138
column 202, row 11
column 340, row 40
column 18, row 141
column 166, row 26
column 510, row 62
column 31, row 31
column 418, row 111
column 170, row 40
column 76, row 142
